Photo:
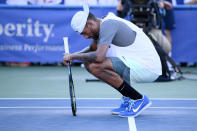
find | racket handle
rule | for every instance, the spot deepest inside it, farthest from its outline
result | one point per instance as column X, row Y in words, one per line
column 66, row 47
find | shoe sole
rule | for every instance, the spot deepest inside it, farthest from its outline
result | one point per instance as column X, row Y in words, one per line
column 115, row 113
column 149, row 104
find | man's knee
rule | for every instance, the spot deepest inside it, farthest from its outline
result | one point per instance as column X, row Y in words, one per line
column 94, row 68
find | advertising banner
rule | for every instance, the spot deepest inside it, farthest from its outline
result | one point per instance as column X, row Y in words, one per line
column 36, row 34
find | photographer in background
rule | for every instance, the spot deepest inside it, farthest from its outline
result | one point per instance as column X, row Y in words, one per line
column 148, row 15
column 169, row 21
column 124, row 7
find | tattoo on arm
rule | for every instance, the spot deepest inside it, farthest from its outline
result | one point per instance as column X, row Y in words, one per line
column 89, row 57
column 96, row 55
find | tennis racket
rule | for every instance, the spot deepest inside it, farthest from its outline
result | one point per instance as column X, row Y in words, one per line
column 71, row 85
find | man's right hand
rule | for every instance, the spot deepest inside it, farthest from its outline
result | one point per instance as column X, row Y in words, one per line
column 67, row 59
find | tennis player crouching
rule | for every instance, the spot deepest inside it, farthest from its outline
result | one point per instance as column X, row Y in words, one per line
column 120, row 54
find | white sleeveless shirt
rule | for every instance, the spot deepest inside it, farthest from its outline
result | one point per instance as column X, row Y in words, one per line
column 142, row 51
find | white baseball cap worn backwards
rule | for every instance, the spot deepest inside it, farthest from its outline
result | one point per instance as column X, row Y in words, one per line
column 79, row 20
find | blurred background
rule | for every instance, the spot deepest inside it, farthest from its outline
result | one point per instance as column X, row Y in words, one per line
column 31, row 47
column 31, row 31
column 34, row 91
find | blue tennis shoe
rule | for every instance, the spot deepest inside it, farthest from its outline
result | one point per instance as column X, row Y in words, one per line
column 135, row 107
column 122, row 107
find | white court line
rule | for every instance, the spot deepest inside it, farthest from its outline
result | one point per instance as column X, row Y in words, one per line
column 94, row 99
column 64, row 107
column 59, row 98
column 53, row 107
column 132, row 125
column 189, row 108
column 42, row 107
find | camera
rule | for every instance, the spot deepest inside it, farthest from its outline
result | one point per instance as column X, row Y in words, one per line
column 145, row 13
